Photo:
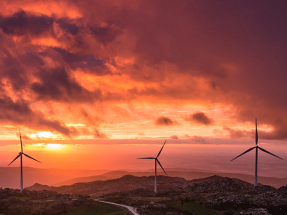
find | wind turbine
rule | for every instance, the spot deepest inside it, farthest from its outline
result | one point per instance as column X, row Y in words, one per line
column 20, row 155
column 256, row 154
column 156, row 161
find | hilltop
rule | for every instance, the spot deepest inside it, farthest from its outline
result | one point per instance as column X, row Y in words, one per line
column 164, row 183
column 125, row 183
column 216, row 194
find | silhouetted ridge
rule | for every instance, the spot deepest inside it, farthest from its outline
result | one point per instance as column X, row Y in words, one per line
column 130, row 182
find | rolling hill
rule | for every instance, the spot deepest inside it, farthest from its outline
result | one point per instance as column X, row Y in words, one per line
column 184, row 173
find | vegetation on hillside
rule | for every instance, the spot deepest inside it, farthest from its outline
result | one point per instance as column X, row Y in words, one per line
column 13, row 202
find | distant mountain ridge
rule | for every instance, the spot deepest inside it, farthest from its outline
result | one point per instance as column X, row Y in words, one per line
column 125, row 183
column 10, row 176
column 184, row 173
column 129, row 183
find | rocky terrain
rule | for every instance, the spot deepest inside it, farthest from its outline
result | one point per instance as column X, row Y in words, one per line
column 235, row 195
column 221, row 195
column 13, row 202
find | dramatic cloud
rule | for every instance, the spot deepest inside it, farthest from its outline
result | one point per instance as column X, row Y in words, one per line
column 105, row 34
column 278, row 133
column 19, row 113
column 174, row 137
column 236, row 134
column 200, row 118
column 88, row 63
column 100, row 135
column 199, row 139
column 57, row 85
column 162, row 120
column 118, row 65
column 21, row 24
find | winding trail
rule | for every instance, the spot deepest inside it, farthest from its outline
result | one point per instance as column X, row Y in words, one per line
column 131, row 209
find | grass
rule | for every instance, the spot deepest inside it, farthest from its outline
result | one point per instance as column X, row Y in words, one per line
column 195, row 208
column 103, row 209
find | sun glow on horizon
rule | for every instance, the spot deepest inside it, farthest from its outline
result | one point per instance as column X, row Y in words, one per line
column 50, row 146
column 45, row 135
column 55, row 146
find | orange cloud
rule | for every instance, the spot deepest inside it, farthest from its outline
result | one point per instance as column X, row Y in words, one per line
column 115, row 67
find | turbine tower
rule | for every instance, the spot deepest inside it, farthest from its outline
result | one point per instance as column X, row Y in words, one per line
column 21, row 162
column 156, row 161
column 256, row 153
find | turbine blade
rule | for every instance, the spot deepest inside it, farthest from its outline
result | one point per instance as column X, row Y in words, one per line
column 161, row 149
column 147, row 158
column 160, row 166
column 21, row 143
column 269, row 153
column 14, row 160
column 31, row 158
column 256, row 134
column 243, row 153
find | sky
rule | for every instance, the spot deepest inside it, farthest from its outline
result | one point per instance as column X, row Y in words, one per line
column 102, row 73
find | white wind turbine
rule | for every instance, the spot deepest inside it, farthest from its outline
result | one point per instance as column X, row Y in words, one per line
column 156, row 161
column 256, row 154
column 20, row 155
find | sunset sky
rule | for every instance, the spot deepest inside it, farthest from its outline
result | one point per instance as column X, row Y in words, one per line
column 118, row 77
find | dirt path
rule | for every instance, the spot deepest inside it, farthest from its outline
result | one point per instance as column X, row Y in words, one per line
column 131, row 209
